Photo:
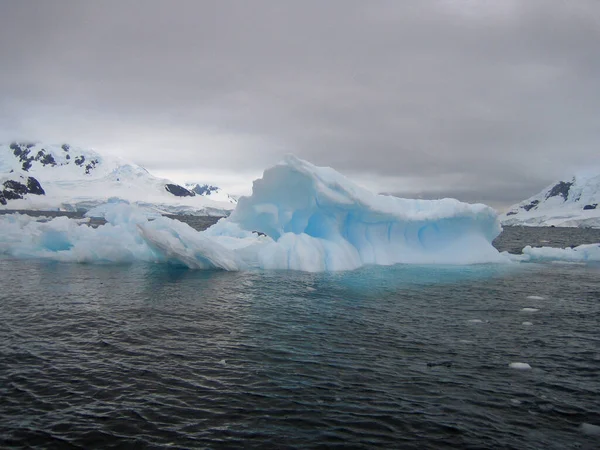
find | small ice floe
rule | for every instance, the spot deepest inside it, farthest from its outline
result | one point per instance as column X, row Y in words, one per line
column 475, row 321
column 223, row 362
column 590, row 429
column 514, row 401
column 535, row 297
column 519, row 366
column 527, row 324
column 310, row 289
column 529, row 309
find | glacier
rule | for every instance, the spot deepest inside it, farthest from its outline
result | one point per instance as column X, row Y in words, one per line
column 299, row 217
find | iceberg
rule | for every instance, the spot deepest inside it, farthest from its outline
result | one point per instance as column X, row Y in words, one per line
column 587, row 253
column 299, row 217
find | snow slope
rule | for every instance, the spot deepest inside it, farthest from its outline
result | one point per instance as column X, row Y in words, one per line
column 574, row 203
column 74, row 179
column 309, row 218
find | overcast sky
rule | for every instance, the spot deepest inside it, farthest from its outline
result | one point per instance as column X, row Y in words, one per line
column 481, row 100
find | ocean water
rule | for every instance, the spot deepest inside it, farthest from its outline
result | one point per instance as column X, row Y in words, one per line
column 156, row 356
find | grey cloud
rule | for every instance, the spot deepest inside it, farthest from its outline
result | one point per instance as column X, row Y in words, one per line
column 492, row 93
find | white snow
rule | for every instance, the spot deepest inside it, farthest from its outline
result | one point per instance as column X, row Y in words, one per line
column 549, row 207
column 519, row 366
column 314, row 218
column 69, row 188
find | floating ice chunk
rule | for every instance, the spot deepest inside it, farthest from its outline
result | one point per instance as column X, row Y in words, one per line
column 519, row 366
column 590, row 429
column 310, row 289
column 514, row 401
column 529, row 309
column 582, row 253
column 527, row 324
column 535, row 297
column 475, row 321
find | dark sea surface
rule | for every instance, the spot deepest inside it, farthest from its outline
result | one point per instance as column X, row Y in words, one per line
column 156, row 356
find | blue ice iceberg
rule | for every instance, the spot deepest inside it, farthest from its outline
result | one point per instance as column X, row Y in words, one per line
column 309, row 218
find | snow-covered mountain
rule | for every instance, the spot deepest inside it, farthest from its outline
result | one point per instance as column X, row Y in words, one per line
column 573, row 203
column 63, row 177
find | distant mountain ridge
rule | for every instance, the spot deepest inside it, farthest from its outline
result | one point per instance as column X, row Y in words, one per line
column 572, row 203
column 213, row 192
column 64, row 177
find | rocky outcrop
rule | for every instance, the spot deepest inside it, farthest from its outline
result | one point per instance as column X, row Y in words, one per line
column 14, row 190
column 561, row 188
column 80, row 161
column 178, row 191
column 204, row 189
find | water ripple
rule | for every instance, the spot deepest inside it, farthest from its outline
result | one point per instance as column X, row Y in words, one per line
column 155, row 357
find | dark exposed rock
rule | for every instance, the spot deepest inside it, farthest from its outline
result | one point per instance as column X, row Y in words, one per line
column 204, row 189
column 80, row 160
column 532, row 205
column 34, row 187
column 178, row 191
column 45, row 158
column 22, row 152
column 511, row 213
column 592, row 206
column 68, row 157
column 14, row 190
column 66, row 147
column 561, row 188
column 90, row 166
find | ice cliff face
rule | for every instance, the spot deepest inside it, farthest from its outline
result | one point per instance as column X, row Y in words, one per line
column 573, row 203
column 50, row 177
column 299, row 217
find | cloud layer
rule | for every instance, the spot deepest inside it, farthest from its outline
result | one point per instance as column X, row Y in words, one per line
column 482, row 100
